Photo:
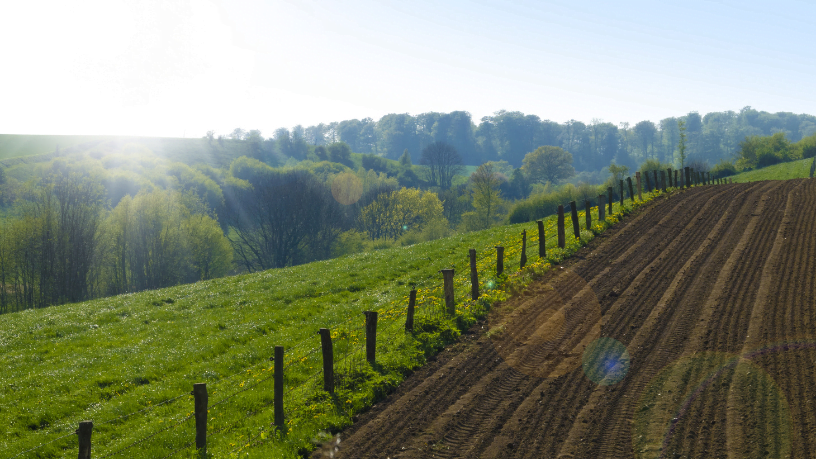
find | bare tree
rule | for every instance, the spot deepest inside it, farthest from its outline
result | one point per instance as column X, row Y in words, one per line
column 443, row 163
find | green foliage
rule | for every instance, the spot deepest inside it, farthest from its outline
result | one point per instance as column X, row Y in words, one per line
column 546, row 202
column 405, row 159
column 393, row 214
column 758, row 151
column 806, row 148
column 548, row 164
column 723, row 169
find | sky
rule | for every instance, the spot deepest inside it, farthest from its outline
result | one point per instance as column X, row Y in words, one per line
column 179, row 68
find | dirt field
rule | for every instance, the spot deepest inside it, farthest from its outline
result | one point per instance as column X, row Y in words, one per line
column 686, row 331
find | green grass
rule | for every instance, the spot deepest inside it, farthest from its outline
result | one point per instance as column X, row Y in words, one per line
column 784, row 171
column 15, row 145
column 129, row 362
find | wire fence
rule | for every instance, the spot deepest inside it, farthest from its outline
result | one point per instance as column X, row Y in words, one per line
column 303, row 363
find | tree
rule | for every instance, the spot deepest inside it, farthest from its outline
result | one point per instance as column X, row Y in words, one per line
column 645, row 131
column 443, row 163
column 238, row 134
column 392, row 214
column 484, row 183
column 548, row 164
column 279, row 218
column 404, row 160
column 681, row 146
column 210, row 250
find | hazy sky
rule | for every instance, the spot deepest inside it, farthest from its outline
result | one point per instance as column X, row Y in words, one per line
column 176, row 68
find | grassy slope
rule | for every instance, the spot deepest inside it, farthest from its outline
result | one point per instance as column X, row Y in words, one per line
column 785, row 171
column 15, row 145
column 107, row 358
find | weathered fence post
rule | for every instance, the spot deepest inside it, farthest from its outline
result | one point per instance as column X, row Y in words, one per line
column 84, row 434
column 813, row 167
column 631, row 189
column 693, row 177
column 609, row 190
column 676, row 183
column 409, row 319
column 687, row 181
column 328, row 359
column 542, row 240
column 561, row 236
column 474, row 276
column 523, row 261
column 447, row 277
column 648, row 184
column 601, row 208
column 371, row 330
column 621, row 193
column 279, row 422
column 588, row 208
column 663, row 180
column 669, row 171
column 576, row 227
column 200, row 394
column 499, row 260
column 640, row 195
column 657, row 184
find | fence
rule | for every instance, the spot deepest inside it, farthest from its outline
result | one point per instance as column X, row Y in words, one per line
column 348, row 349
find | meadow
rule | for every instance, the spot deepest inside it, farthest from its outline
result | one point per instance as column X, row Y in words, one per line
column 129, row 362
column 784, row 171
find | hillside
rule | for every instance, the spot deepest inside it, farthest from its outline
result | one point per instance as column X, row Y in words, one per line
column 784, row 171
column 128, row 362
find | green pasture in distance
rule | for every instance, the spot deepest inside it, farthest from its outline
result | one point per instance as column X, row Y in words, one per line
column 17, row 145
column 784, row 171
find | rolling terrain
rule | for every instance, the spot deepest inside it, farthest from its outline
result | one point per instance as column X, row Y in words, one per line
column 688, row 331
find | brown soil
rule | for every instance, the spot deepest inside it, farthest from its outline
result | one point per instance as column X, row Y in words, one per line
column 712, row 293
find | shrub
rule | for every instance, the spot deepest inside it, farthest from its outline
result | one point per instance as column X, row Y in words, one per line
column 723, row 169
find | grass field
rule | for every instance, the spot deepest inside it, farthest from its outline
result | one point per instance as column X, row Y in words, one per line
column 129, row 362
column 14, row 145
column 784, row 171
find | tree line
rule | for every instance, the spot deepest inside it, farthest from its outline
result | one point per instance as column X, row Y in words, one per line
column 510, row 135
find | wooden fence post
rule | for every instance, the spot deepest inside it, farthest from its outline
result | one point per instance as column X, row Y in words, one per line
column 657, row 184
column 588, row 208
column 542, row 240
column 676, row 184
column 648, row 184
column 576, row 227
column 621, row 192
column 663, row 180
column 687, row 181
column 499, row 260
column 601, row 208
column 523, row 261
column 371, row 331
column 447, row 278
column 328, row 359
column 561, row 236
column 668, row 172
column 84, row 434
column 813, row 167
column 637, row 177
column 631, row 189
column 474, row 276
column 409, row 319
column 279, row 422
column 200, row 394
column 609, row 190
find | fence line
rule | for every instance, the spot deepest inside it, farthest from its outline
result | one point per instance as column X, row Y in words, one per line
column 430, row 303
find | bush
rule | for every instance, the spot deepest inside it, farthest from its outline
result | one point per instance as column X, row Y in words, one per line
column 768, row 158
column 723, row 169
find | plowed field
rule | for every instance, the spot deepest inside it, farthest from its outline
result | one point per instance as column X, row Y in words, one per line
column 689, row 330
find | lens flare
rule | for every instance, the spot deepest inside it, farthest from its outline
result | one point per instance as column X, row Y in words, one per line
column 606, row 361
